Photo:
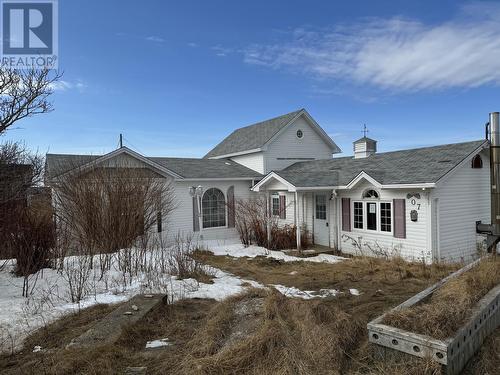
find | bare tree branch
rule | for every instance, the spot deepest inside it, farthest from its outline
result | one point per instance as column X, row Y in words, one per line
column 24, row 93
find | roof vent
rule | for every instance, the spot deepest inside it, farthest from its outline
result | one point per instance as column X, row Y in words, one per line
column 364, row 147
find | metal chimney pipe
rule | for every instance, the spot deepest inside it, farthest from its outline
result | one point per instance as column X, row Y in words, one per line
column 495, row 171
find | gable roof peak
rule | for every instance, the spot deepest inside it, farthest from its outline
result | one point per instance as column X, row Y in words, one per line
column 253, row 137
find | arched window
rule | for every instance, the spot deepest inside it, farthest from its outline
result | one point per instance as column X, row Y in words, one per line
column 477, row 162
column 370, row 194
column 213, row 206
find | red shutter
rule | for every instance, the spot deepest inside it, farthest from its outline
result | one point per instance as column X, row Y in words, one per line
column 346, row 214
column 282, row 206
column 230, row 207
column 399, row 218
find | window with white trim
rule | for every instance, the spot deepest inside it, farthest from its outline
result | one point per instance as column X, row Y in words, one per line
column 373, row 216
column 358, row 215
column 385, row 216
column 213, row 208
column 321, row 207
column 275, row 202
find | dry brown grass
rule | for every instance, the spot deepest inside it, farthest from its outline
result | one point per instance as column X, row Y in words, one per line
column 178, row 322
column 383, row 283
column 288, row 336
column 293, row 337
column 451, row 305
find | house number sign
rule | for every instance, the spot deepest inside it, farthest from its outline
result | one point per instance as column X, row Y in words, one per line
column 414, row 202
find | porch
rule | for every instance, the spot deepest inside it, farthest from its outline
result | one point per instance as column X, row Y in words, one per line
column 310, row 209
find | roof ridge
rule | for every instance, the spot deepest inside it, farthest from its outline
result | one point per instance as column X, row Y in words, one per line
column 269, row 119
column 404, row 150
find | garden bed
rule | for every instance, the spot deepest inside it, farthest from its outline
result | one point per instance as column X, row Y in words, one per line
column 448, row 321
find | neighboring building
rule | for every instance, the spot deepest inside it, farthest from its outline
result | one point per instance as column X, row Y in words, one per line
column 422, row 203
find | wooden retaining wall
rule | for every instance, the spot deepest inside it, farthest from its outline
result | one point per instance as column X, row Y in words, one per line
column 452, row 353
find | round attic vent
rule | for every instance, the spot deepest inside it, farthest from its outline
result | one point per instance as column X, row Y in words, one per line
column 300, row 134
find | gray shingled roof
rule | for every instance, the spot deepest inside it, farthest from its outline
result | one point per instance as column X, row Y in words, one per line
column 421, row 165
column 57, row 164
column 253, row 136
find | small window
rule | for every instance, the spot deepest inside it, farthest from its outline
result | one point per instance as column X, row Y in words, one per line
column 370, row 194
column 371, row 215
column 477, row 162
column 385, row 217
column 321, row 207
column 300, row 134
column 275, row 205
column 358, row 215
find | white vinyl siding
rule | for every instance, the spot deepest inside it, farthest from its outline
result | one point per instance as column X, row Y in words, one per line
column 288, row 149
column 413, row 247
column 463, row 199
column 181, row 219
column 254, row 161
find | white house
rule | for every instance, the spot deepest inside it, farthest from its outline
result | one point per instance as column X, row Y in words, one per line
column 421, row 203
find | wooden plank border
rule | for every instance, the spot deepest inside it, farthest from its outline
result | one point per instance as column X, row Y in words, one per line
column 452, row 353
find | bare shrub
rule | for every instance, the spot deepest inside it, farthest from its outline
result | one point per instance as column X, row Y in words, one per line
column 22, row 212
column 32, row 240
column 77, row 272
column 182, row 264
column 109, row 207
column 252, row 221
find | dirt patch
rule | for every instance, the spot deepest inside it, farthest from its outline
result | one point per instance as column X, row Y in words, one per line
column 450, row 306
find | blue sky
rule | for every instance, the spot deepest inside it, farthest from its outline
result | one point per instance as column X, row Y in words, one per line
column 177, row 77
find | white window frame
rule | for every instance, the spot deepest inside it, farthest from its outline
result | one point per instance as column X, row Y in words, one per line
column 365, row 229
column 273, row 197
column 225, row 210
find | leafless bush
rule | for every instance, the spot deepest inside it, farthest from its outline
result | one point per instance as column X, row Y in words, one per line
column 252, row 220
column 77, row 271
column 32, row 239
column 109, row 207
column 181, row 262
column 20, row 174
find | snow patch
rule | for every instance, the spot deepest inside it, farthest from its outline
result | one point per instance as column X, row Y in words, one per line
column 158, row 343
column 354, row 292
column 240, row 251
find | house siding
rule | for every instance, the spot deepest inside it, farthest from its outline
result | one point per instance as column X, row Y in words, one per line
column 254, row 161
column 463, row 198
column 287, row 146
column 413, row 247
column 181, row 219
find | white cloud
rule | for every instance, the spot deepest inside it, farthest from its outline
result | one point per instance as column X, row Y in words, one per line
column 154, row 38
column 395, row 54
column 192, row 44
column 66, row 85
column 221, row 51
